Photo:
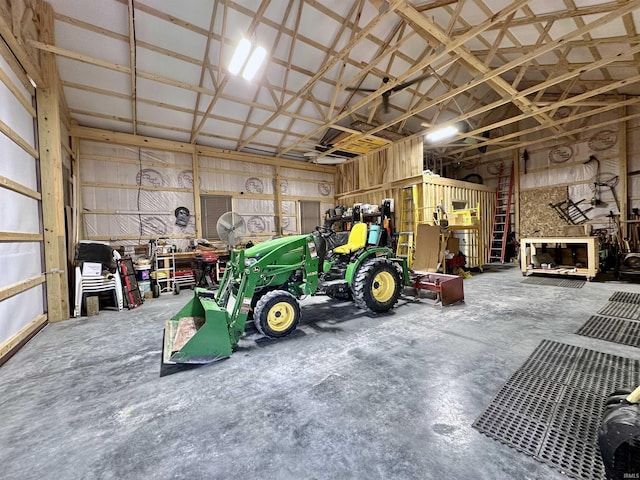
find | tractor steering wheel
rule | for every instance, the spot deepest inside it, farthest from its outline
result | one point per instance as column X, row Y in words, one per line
column 325, row 232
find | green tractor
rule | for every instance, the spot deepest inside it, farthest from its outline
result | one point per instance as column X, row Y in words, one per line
column 267, row 280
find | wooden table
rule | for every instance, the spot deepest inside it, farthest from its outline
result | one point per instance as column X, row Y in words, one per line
column 529, row 247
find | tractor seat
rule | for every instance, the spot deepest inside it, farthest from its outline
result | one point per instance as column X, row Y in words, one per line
column 357, row 239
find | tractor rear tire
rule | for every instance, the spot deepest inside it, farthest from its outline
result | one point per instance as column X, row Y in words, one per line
column 277, row 314
column 377, row 285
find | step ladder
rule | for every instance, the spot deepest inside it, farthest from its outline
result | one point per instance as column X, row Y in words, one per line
column 408, row 224
column 501, row 214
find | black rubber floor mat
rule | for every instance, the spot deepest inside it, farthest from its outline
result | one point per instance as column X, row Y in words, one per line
column 625, row 297
column 621, row 309
column 554, row 282
column 551, row 407
column 617, row 330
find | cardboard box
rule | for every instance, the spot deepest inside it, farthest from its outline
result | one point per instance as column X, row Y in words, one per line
column 453, row 245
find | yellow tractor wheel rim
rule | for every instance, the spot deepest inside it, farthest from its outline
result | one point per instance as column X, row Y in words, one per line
column 281, row 316
column 383, row 287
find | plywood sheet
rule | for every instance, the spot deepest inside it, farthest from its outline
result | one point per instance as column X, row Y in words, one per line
column 536, row 214
column 427, row 254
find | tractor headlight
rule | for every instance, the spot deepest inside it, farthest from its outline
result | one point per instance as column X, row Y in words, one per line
column 250, row 261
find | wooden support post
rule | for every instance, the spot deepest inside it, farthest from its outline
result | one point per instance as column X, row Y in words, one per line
column 624, row 173
column 197, row 210
column 278, row 202
column 78, row 219
column 517, row 155
column 49, row 137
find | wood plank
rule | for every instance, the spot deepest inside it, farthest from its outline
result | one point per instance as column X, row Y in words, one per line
column 18, row 188
column 322, row 70
column 256, row 18
column 26, row 103
column 107, row 136
column 49, row 136
column 195, row 162
column 21, row 286
column 132, row 63
column 623, row 162
column 17, row 139
column 20, row 237
column 417, row 67
column 187, row 328
column 24, row 334
column 25, row 59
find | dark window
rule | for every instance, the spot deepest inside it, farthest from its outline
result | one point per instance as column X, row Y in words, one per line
column 309, row 216
column 212, row 207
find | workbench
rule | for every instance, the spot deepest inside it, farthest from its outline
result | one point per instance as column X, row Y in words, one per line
column 589, row 256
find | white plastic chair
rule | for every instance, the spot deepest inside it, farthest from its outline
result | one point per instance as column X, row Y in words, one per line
column 90, row 284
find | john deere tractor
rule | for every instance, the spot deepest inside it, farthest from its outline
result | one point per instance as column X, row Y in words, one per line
column 266, row 281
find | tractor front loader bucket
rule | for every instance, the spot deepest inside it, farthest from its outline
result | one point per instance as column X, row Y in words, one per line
column 197, row 334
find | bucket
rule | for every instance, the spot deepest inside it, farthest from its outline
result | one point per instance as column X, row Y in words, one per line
column 142, row 275
column 142, row 271
column 144, row 287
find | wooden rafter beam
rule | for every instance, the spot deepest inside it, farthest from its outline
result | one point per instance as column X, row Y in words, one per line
column 519, row 50
column 265, row 81
column 440, row 53
column 356, row 10
column 220, row 38
column 431, row 30
column 580, row 130
column 205, row 61
column 292, row 44
column 603, row 20
column 132, row 64
column 325, row 67
column 555, row 105
column 14, row 44
column 572, row 118
column 563, row 14
column 383, row 50
column 257, row 17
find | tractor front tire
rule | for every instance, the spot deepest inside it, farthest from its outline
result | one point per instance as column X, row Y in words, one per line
column 377, row 285
column 277, row 314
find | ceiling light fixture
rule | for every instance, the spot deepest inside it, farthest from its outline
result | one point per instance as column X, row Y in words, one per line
column 329, row 160
column 255, row 60
column 247, row 59
column 442, row 133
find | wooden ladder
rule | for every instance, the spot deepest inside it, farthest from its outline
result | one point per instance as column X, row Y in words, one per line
column 501, row 214
column 408, row 224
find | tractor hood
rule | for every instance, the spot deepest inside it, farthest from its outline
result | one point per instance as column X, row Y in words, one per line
column 259, row 250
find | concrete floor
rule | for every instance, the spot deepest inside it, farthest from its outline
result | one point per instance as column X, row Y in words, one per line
column 347, row 396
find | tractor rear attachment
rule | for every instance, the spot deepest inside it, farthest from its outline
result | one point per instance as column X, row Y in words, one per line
column 449, row 288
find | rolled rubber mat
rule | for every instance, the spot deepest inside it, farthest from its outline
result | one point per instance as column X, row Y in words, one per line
column 621, row 309
column 554, row 282
column 551, row 407
column 617, row 330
